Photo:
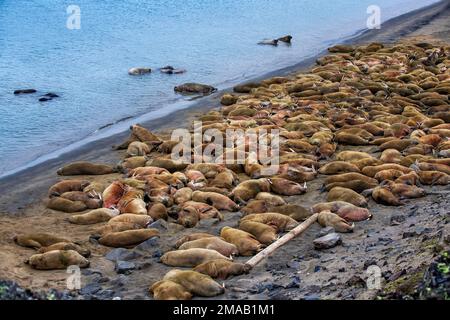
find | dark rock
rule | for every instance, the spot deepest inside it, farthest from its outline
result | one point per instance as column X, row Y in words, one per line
column 356, row 281
column 120, row 281
column 147, row 245
column 124, row 267
column 122, row 254
column 51, row 95
column 370, row 262
column 90, row 289
column 160, row 224
column 105, row 294
column 409, row 234
column 328, row 241
column 325, row 231
column 207, row 223
column 312, row 297
column 341, row 270
column 24, row 91
column 317, row 268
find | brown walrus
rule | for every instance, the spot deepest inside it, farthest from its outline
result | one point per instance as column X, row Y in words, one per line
column 264, row 233
column 114, row 227
column 296, row 212
column 157, row 211
column 139, row 219
column 67, row 185
column 192, row 237
column 57, row 259
column 65, row 205
column 37, row 240
column 169, row 290
column 222, row 269
column 329, row 219
column 286, row 187
column 66, row 246
column 190, row 257
column 195, row 282
column 128, row 238
column 343, row 209
column 336, row 167
column 384, row 196
column 112, row 194
column 212, row 243
column 279, row 221
column 85, row 168
column 94, row 216
column 347, row 195
column 217, row 200
column 244, row 241
column 248, row 189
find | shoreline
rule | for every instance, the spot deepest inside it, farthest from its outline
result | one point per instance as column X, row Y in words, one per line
column 39, row 176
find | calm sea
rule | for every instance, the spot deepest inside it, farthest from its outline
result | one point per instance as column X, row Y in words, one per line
column 215, row 40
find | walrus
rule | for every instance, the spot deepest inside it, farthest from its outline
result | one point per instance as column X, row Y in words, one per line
column 217, row 200
column 279, row 221
column 57, row 259
column 351, row 176
column 167, row 163
column 132, row 201
column 225, row 179
column 194, row 88
column 350, row 139
column 192, row 237
column 205, row 211
column 296, row 212
column 85, row 168
column 345, row 210
column 270, row 199
column 139, row 219
column 433, row 177
column 66, row 246
column 128, row 238
column 371, row 171
column 135, row 183
column 398, row 144
column 188, row 216
column 195, row 282
column 182, row 195
column 411, row 178
column 212, row 243
column 405, row 191
column 244, row 241
column 391, row 156
column 352, row 155
column 329, row 219
column 94, row 216
column 190, row 257
column 362, row 163
column 355, row 185
column 113, row 227
column 209, row 170
column 169, row 290
column 157, row 211
column 112, row 194
column 388, row 174
column 138, row 71
column 248, row 189
column 255, row 206
column 67, row 185
column 38, row 240
column 424, row 166
column 384, row 196
column 286, row 39
column 131, row 163
column 92, row 200
column 196, row 179
column 222, row 269
column 137, row 148
column 65, row 205
column 337, row 167
column 347, row 195
column 266, row 234
column 143, row 134
column 286, row 187
column 228, row 99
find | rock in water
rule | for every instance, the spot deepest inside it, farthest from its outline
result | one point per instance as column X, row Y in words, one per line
column 139, row 71
column 193, row 88
column 329, row 241
column 24, row 91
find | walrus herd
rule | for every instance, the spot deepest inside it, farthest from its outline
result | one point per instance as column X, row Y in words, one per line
column 374, row 120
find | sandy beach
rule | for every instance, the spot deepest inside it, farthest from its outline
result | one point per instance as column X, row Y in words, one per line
column 296, row 271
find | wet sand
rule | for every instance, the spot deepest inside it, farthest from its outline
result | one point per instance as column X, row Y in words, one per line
column 294, row 271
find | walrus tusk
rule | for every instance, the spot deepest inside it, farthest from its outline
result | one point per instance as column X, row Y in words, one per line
column 304, row 185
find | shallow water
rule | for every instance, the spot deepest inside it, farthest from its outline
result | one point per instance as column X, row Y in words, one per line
column 214, row 40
